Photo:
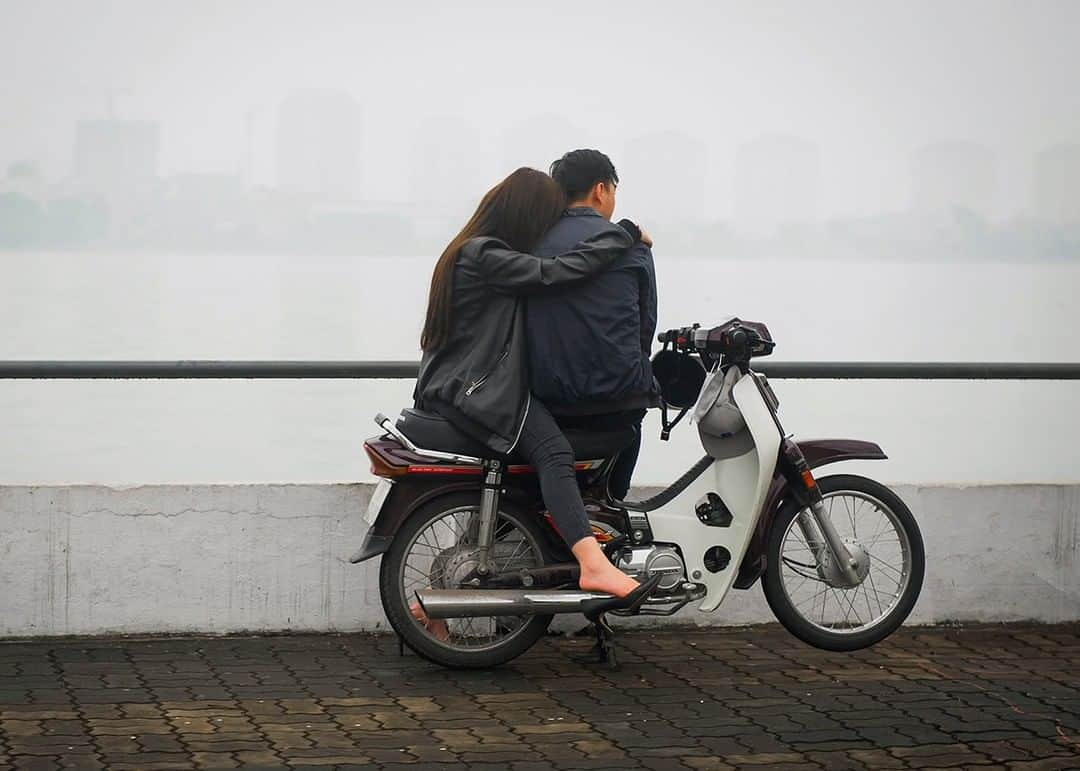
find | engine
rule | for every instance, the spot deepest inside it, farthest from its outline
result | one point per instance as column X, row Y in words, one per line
column 642, row 562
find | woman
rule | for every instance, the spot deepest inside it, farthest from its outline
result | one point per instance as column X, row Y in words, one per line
column 473, row 370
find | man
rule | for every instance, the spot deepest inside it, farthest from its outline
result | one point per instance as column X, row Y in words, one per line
column 589, row 347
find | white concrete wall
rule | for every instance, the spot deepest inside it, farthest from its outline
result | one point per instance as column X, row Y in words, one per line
column 226, row 558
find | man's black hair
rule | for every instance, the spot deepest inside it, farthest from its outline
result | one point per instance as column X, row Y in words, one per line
column 578, row 170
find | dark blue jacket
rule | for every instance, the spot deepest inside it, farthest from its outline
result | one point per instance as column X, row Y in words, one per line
column 589, row 345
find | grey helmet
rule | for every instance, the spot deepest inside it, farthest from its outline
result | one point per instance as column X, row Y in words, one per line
column 720, row 423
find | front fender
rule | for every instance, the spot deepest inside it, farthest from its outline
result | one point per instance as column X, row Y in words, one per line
column 818, row 452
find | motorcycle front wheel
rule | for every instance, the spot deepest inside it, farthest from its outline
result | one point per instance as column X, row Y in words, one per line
column 436, row 548
column 807, row 594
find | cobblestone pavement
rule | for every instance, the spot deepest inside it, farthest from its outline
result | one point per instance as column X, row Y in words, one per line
column 972, row 697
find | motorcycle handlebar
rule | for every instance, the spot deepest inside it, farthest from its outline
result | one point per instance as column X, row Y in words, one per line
column 682, row 338
column 732, row 340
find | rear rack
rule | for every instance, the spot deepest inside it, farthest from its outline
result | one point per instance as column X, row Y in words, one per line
column 388, row 426
column 465, row 463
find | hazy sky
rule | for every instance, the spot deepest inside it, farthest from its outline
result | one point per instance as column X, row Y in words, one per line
column 867, row 82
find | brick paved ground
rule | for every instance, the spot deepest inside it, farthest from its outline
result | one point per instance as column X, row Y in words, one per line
column 985, row 697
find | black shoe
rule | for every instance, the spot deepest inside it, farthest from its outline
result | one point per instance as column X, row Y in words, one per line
column 593, row 608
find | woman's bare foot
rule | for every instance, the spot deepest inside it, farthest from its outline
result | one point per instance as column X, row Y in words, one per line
column 436, row 626
column 610, row 580
column 597, row 572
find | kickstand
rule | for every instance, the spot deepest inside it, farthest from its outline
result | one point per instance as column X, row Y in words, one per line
column 605, row 642
column 400, row 645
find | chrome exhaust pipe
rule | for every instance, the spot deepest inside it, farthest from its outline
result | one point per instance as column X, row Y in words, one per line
column 467, row 603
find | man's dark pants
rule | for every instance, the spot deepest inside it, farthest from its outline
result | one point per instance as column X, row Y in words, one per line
column 619, row 482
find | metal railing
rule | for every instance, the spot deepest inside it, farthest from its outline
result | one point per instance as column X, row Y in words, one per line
column 362, row 370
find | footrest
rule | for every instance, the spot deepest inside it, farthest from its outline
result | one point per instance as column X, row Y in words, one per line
column 674, row 600
column 685, row 591
column 593, row 609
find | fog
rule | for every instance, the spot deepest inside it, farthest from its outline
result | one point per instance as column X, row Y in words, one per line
column 895, row 130
column 245, row 180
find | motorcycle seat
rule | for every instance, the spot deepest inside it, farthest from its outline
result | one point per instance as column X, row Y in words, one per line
column 430, row 431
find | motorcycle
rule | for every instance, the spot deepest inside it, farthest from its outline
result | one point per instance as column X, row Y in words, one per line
column 473, row 569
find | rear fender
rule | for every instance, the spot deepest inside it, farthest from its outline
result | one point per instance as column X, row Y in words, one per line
column 818, row 452
column 409, row 493
column 406, row 496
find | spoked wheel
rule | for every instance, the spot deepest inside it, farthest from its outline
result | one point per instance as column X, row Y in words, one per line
column 436, row 548
column 807, row 591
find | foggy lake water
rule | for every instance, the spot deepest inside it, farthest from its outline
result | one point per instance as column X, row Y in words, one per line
column 135, row 306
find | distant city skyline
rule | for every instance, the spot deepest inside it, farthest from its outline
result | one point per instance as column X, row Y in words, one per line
column 771, row 170
column 748, row 127
column 114, row 196
column 868, row 85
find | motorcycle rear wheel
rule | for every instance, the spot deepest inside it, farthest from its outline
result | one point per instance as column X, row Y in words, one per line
column 525, row 531
column 905, row 570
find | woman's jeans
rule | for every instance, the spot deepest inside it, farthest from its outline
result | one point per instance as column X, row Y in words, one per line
column 545, row 447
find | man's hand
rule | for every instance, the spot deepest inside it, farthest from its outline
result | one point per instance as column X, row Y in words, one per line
column 636, row 231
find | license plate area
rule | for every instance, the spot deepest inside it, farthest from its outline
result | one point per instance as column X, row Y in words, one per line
column 378, row 498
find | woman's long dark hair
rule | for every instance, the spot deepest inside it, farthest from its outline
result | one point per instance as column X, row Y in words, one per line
column 517, row 211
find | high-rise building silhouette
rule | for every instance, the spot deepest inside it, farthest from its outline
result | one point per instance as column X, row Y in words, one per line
column 537, row 141
column 111, row 156
column 319, row 144
column 777, row 183
column 663, row 178
column 954, row 174
column 1055, row 189
column 115, row 182
column 450, row 170
column 23, row 178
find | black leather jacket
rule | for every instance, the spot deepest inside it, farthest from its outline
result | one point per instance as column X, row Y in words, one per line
column 479, row 378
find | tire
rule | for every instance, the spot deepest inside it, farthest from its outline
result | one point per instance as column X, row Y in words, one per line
column 777, row 595
column 412, row 632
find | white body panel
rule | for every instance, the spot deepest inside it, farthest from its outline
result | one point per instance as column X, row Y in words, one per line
column 741, row 482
